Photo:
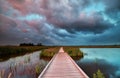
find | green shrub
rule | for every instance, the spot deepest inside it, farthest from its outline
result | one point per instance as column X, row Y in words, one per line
column 37, row 69
column 98, row 74
column 72, row 51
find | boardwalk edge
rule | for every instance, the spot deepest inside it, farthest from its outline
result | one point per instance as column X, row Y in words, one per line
column 40, row 76
column 78, row 67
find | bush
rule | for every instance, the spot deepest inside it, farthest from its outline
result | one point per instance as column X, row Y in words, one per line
column 98, row 74
column 37, row 69
column 72, row 51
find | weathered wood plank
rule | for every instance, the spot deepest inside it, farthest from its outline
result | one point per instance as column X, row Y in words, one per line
column 62, row 66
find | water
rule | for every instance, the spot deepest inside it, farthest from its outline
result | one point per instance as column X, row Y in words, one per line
column 23, row 66
column 105, row 59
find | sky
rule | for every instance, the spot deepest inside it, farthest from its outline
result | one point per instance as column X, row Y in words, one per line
column 60, row 22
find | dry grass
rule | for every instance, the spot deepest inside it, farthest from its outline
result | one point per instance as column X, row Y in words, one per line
column 72, row 51
column 7, row 52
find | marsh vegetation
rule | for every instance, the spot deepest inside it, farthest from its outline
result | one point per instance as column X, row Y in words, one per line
column 29, row 61
column 74, row 52
column 26, row 66
column 7, row 52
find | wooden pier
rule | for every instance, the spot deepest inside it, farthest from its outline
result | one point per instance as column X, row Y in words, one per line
column 62, row 66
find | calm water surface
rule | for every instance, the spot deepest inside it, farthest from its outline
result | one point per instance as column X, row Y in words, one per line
column 23, row 66
column 105, row 59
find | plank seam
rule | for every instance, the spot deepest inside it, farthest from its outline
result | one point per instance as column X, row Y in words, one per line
column 77, row 67
column 40, row 76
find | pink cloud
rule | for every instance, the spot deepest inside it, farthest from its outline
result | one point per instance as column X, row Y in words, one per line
column 6, row 23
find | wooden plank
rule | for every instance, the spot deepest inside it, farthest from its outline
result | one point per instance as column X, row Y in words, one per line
column 62, row 66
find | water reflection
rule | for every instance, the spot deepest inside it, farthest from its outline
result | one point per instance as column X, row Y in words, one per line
column 105, row 59
column 24, row 66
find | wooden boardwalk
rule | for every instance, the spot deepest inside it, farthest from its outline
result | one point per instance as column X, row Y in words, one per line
column 62, row 66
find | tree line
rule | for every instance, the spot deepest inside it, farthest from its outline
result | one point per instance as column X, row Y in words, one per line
column 30, row 44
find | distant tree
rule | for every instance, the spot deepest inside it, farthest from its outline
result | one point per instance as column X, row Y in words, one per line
column 39, row 44
column 22, row 44
column 26, row 44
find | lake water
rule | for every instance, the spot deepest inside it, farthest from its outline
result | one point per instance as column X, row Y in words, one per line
column 23, row 66
column 105, row 59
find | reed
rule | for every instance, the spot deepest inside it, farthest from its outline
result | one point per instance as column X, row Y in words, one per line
column 7, row 52
column 50, row 52
column 37, row 69
column 72, row 51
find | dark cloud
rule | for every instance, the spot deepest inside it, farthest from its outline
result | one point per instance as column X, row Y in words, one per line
column 109, row 37
column 59, row 21
column 112, row 8
column 78, row 26
column 6, row 23
column 112, row 4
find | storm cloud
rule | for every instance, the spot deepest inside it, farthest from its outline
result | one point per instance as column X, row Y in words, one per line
column 59, row 22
